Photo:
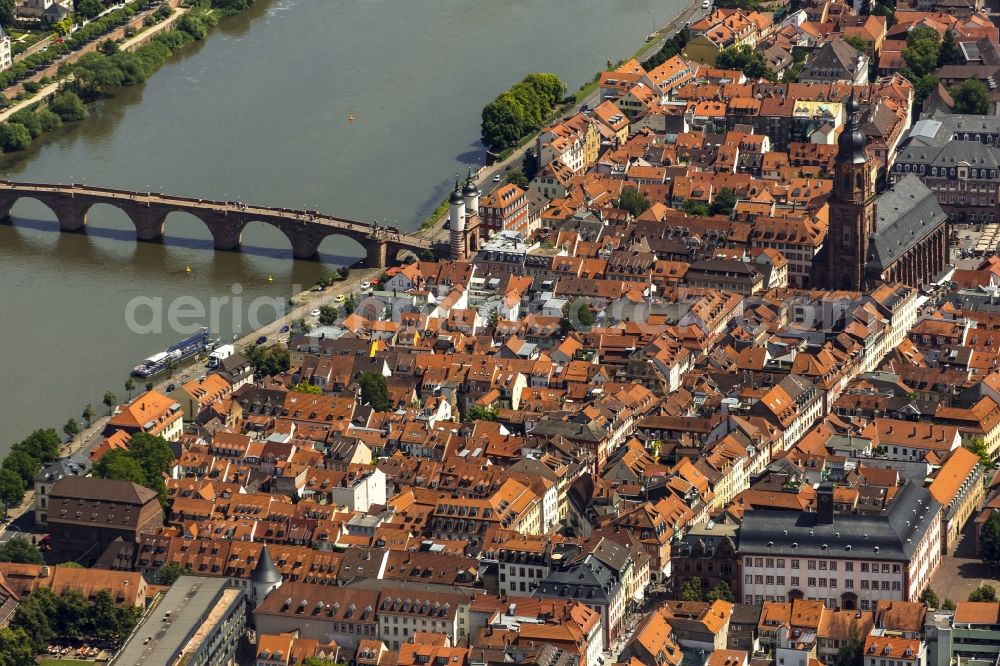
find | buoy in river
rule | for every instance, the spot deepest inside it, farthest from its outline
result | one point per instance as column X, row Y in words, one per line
column 187, row 269
column 350, row 118
column 270, row 279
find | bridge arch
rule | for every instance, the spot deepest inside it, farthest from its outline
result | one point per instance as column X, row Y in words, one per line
column 340, row 249
column 9, row 204
column 265, row 235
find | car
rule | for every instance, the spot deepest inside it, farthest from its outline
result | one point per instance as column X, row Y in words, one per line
column 261, row 340
column 171, row 388
column 584, row 108
column 284, row 329
column 340, row 298
column 314, row 313
column 365, row 286
column 496, row 178
column 706, row 4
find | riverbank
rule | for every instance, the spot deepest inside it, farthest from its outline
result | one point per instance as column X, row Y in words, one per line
column 586, row 95
column 306, row 302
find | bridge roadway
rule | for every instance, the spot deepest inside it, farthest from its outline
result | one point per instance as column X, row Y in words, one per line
column 225, row 220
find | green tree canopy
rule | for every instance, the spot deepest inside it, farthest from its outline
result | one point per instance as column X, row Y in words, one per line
column 7, row 14
column 72, row 428
column 721, row 591
column 477, row 413
column 42, row 444
column 20, row 550
column 328, row 314
column 984, row 592
column 169, row 573
column 857, row 43
column 948, row 604
column 948, row 52
column 15, row 648
column 744, row 58
column 375, row 391
column 851, row 652
column 14, row 137
column 695, row 207
column 930, row 598
column 978, row 446
column 12, row 487
column 120, row 464
column 923, row 45
column 691, row 590
column 971, row 96
column 306, row 387
column 723, row 202
column 23, row 464
column 88, row 8
column 519, row 110
column 268, row 361
column 989, row 540
column 518, row 177
column 69, row 107
column 634, row 201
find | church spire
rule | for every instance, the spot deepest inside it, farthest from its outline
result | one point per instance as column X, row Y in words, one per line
column 851, row 144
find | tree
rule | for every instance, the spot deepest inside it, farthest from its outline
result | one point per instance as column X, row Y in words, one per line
column 318, row 661
column 7, row 16
column 109, row 47
column 744, row 58
column 971, row 96
column 923, row 45
column 30, row 120
column 32, row 616
column 691, row 590
column 577, row 316
column 169, row 573
column 129, row 387
column 72, row 429
column 328, row 315
column 856, row 42
column 989, row 540
column 71, row 616
column 721, row 591
column 88, row 8
column 22, row 464
column 851, row 652
column 110, row 400
column 149, row 386
column 477, row 413
column 88, row 414
column 349, row 305
column 375, row 391
column 519, row 178
column 978, row 446
column 930, row 598
column 15, row 648
column 69, row 107
column 12, row 488
column 723, row 202
column 948, row 51
column 120, row 464
column 948, row 604
column 42, row 445
column 984, row 592
column 306, row 387
column 504, row 121
column 268, row 361
column 14, row 137
column 21, row 551
column 695, row 207
column 634, row 201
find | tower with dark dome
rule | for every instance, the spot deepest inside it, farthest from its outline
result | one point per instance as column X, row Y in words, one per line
column 264, row 579
column 463, row 218
column 852, row 209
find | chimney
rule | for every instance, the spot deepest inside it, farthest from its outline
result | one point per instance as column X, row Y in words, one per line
column 44, row 571
column 824, row 503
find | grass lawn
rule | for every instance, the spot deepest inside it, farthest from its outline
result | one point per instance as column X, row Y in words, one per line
column 48, row 661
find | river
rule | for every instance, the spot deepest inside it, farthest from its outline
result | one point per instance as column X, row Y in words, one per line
column 261, row 112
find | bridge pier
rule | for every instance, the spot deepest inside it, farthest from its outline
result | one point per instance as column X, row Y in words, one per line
column 305, row 247
column 72, row 218
column 5, row 205
column 227, row 238
column 376, row 252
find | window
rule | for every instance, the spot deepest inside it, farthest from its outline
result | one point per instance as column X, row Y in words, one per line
column 780, row 563
column 864, row 567
column 812, row 582
column 833, row 566
column 864, row 583
column 795, row 581
column 849, row 584
column 848, row 566
column 812, row 565
column 822, row 565
column 795, row 564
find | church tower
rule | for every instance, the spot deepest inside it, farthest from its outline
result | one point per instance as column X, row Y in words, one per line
column 852, row 208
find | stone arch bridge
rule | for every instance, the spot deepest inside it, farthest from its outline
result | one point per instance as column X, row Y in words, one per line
column 225, row 220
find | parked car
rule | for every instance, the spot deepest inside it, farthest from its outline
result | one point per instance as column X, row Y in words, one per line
column 365, row 286
column 339, row 298
column 171, row 388
column 261, row 340
column 283, row 329
column 496, row 178
column 314, row 313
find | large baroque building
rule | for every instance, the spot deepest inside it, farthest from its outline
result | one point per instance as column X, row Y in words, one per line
column 899, row 236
